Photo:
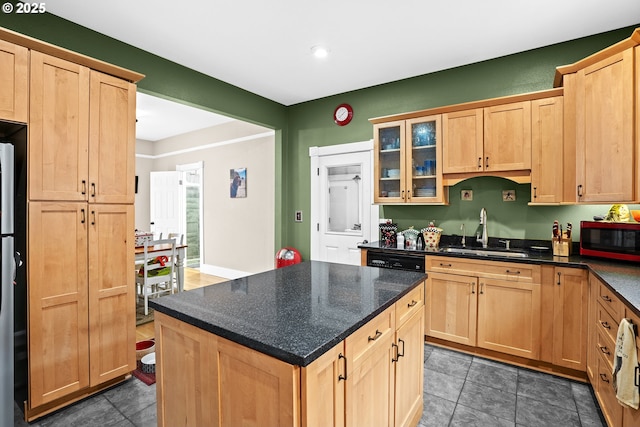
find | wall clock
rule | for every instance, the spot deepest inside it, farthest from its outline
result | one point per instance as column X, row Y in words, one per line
column 343, row 114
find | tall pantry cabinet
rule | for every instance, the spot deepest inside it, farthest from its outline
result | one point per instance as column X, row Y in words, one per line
column 80, row 232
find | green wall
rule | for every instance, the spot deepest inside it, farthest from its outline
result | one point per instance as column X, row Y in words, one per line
column 310, row 124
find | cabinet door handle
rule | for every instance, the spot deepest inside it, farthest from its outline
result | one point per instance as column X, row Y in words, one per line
column 84, row 187
column 340, row 376
column 93, row 217
column 412, row 303
column 605, row 325
column 513, row 272
column 395, row 347
column 580, row 190
column 408, row 195
column 402, row 194
column 83, row 218
column 445, row 265
column 535, row 192
column 604, row 349
column 400, row 354
column 559, row 279
column 473, row 287
column 375, row 337
column 479, row 162
column 481, row 288
column 604, row 378
column 606, row 298
column 93, row 189
column 486, row 165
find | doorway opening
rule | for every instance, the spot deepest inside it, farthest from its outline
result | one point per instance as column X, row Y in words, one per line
column 192, row 179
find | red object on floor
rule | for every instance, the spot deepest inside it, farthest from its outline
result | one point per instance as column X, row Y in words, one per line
column 148, row 379
column 287, row 256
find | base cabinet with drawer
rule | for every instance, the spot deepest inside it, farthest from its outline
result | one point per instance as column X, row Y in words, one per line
column 605, row 312
column 373, row 378
column 492, row 305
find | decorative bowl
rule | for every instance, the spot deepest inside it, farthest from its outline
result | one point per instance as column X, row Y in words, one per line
column 148, row 363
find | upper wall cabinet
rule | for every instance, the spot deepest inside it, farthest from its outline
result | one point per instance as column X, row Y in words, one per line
column 14, row 84
column 546, row 150
column 490, row 139
column 600, row 130
column 407, row 161
column 81, row 124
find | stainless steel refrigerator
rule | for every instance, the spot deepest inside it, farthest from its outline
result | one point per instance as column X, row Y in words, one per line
column 8, row 266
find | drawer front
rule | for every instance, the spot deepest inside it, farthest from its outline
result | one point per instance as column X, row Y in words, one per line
column 510, row 271
column 605, row 346
column 409, row 304
column 606, row 324
column 608, row 300
column 380, row 329
column 608, row 402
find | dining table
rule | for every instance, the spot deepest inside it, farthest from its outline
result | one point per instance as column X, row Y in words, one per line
column 181, row 254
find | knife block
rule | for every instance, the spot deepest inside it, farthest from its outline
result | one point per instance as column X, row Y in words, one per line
column 561, row 247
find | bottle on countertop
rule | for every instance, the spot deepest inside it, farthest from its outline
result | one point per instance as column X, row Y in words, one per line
column 400, row 241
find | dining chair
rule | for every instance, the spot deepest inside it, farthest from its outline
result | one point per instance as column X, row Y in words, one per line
column 178, row 236
column 156, row 276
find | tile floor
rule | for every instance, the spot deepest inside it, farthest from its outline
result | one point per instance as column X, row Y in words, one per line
column 460, row 390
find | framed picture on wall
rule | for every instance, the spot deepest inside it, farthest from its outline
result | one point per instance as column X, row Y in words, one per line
column 238, row 183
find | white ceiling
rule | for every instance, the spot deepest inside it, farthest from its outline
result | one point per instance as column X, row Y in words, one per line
column 265, row 46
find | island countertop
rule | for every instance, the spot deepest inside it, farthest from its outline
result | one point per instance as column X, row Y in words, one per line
column 295, row 313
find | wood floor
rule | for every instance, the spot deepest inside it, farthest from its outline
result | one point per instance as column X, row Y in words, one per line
column 192, row 279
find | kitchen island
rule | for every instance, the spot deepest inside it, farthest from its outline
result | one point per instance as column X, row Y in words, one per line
column 310, row 344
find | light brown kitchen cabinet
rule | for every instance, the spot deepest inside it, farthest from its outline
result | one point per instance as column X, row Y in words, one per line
column 506, row 314
column 80, row 297
column 112, row 126
column 407, row 162
column 369, row 388
column 409, row 387
column 14, row 82
column 565, row 316
column 507, row 137
column 373, row 377
column 58, row 304
column 452, row 304
column 491, row 139
column 605, row 312
column 112, row 316
column 599, row 153
column 547, row 150
column 58, row 129
column 463, row 136
column 81, row 293
column 81, row 133
column 509, row 316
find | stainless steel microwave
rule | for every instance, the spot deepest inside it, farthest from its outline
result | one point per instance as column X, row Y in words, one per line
column 616, row 240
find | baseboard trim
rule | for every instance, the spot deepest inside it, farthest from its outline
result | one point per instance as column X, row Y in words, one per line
column 227, row 273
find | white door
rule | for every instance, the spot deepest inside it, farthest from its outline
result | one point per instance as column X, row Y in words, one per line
column 342, row 210
column 167, row 203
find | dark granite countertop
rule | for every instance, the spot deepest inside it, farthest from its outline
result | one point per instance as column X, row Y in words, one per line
column 295, row 313
column 623, row 277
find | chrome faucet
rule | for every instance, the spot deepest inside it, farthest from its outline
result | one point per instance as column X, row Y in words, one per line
column 463, row 238
column 484, row 238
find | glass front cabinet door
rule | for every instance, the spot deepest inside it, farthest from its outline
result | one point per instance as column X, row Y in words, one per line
column 408, row 162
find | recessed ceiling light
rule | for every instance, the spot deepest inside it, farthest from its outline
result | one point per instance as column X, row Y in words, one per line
column 319, row 51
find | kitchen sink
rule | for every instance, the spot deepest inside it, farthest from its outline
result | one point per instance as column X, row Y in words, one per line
column 486, row 252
